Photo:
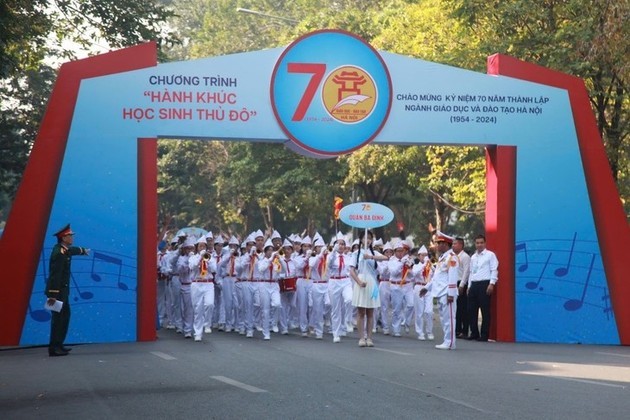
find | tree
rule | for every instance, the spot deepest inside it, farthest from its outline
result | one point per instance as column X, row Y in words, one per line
column 35, row 32
column 588, row 39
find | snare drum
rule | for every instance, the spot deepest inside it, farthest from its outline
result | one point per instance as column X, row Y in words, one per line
column 288, row 285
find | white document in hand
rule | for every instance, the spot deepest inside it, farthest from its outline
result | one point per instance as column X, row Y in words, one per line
column 54, row 307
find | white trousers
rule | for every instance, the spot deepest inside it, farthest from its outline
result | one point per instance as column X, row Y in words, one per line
column 447, row 318
column 269, row 304
column 202, row 295
column 397, row 294
column 174, row 307
column 340, row 291
column 228, row 302
column 386, row 304
column 424, row 311
column 318, row 296
column 187, row 308
column 304, row 288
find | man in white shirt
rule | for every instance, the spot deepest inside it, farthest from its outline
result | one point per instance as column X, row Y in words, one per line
column 483, row 277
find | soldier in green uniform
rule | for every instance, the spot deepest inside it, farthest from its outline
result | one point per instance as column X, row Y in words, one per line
column 58, row 288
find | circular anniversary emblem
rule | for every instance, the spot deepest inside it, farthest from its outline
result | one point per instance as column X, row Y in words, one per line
column 331, row 92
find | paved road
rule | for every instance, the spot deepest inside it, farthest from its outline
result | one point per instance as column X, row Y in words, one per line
column 289, row 377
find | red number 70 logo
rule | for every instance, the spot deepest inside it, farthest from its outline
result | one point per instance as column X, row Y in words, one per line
column 318, row 71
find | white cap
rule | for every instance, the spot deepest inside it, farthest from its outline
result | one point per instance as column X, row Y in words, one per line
column 378, row 242
column 189, row 242
column 307, row 240
column 276, row 235
column 286, row 244
column 201, row 240
column 317, row 236
column 423, row 250
column 250, row 238
column 258, row 234
column 296, row 239
column 388, row 245
column 355, row 242
column 233, row 241
column 268, row 243
column 209, row 235
column 319, row 242
column 440, row 236
column 219, row 240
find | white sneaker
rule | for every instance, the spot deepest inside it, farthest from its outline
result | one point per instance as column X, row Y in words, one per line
column 406, row 329
column 170, row 327
column 285, row 332
column 349, row 327
column 250, row 334
column 319, row 337
column 258, row 328
column 362, row 342
column 444, row 347
column 373, row 330
column 221, row 327
column 207, row 330
column 336, row 340
column 385, row 332
column 304, row 334
column 431, row 337
column 241, row 331
column 188, row 335
column 396, row 334
column 197, row 339
column 266, row 337
column 421, row 337
column 275, row 329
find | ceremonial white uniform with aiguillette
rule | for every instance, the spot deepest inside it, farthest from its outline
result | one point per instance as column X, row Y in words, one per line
column 442, row 285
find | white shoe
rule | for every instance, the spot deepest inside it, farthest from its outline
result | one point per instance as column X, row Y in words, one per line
column 258, row 328
column 421, row 337
column 349, row 327
column 373, row 330
column 266, row 337
column 430, row 336
column 241, row 331
column 197, row 339
column 188, row 335
column 207, row 330
column 221, row 327
column 170, row 327
column 319, row 337
column 406, row 330
column 275, row 329
column 336, row 340
column 444, row 347
column 250, row 334
column 285, row 332
column 369, row 342
column 396, row 334
column 385, row 332
column 304, row 334
column 362, row 342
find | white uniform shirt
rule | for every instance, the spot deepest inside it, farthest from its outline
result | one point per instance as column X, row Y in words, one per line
column 464, row 268
column 338, row 265
column 484, row 266
column 445, row 275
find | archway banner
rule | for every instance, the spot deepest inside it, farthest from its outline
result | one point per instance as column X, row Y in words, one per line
column 559, row 273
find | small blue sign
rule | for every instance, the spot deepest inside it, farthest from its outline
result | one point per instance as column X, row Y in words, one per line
column 366, row 215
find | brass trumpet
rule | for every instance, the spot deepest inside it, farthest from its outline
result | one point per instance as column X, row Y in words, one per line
column 281, row 252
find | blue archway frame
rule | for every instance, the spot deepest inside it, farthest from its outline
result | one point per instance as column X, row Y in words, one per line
column 29, row 223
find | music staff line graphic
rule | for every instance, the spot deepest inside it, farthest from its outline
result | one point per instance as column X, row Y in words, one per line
column 557, row 274
column 103, row 282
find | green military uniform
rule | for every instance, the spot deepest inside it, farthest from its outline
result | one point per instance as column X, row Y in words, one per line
column 58, row 287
